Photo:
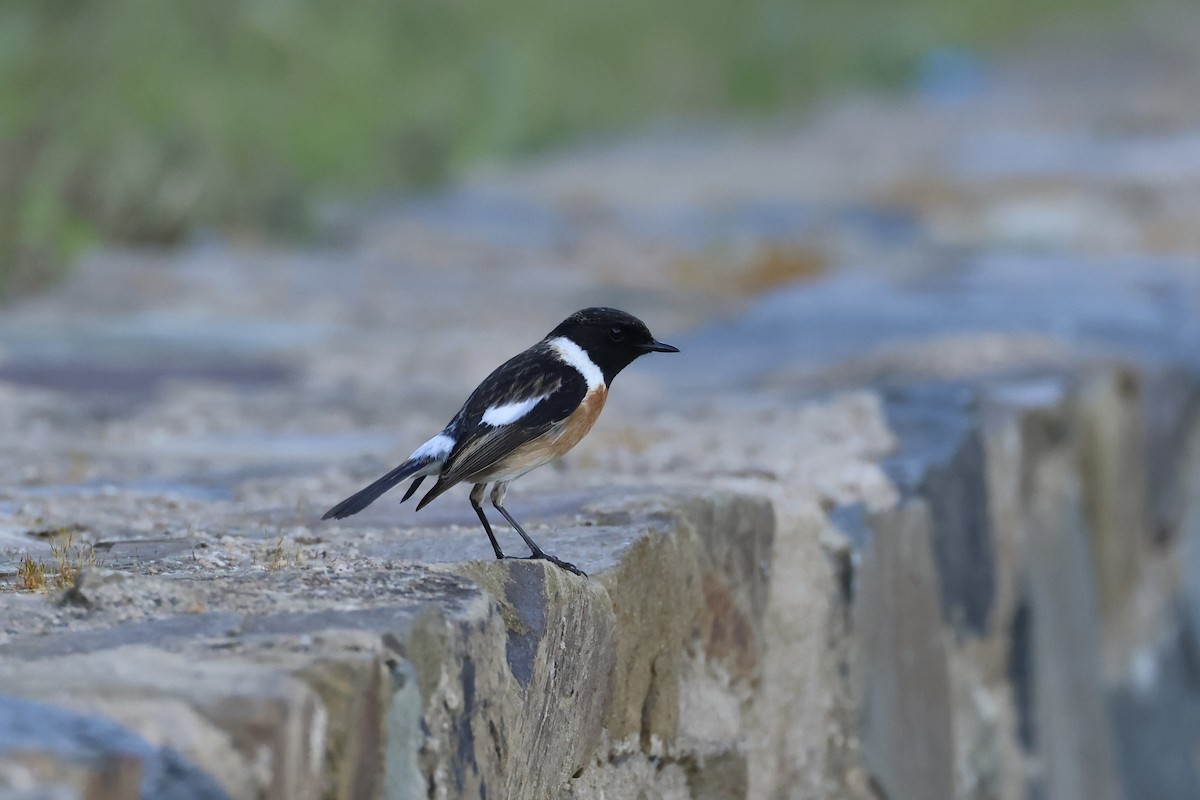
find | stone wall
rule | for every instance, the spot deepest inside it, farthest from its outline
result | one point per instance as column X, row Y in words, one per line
column 914, row 514
column 999, row 629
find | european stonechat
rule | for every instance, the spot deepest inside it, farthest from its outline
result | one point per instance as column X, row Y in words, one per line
column 532, row 409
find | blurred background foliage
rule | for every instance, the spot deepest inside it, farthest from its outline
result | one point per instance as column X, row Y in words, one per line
column 139, row 120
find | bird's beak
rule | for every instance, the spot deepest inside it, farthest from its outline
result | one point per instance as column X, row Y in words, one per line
column 655, row 346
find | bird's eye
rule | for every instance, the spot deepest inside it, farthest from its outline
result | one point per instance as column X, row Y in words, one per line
column 616, row 335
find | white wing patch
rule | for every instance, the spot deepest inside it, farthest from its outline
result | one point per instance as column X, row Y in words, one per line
column 574, row 355
column 511, row 412
column 438, row 447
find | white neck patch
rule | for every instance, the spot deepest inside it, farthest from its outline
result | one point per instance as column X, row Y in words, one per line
column 571, row 353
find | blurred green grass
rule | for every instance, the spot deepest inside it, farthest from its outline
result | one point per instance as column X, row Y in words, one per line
column 139, row 120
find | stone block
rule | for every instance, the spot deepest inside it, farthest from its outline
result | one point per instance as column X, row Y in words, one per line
column 1170, row 403
column 51, row 752
column 256, row 730
column 1071, row 731
column 1156, row 723
column 907, row 735
column 941, row 459
column 1112, row 453
column 514, row 703
column 355, row 674
column 695, row 588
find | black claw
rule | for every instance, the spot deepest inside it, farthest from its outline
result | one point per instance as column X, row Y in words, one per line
column 558, row 562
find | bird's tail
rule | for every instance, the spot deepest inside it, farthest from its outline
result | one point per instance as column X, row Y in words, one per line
column 364, row 497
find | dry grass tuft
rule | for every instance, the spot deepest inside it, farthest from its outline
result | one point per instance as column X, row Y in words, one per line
column 67, row 559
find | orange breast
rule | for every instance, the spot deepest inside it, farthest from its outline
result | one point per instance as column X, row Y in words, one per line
column 576, row 426
column 552, row 445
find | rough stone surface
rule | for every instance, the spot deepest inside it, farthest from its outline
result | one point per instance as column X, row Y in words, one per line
column 915, row 512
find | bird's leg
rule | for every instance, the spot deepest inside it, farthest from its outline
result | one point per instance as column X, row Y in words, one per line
column 498, row 492
column 477, row 504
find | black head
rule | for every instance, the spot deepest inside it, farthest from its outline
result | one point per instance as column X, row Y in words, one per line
column 611, row 338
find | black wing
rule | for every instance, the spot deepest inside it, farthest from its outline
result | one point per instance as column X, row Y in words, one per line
column 536, row 373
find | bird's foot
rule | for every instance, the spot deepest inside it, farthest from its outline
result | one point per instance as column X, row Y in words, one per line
column 558, row 562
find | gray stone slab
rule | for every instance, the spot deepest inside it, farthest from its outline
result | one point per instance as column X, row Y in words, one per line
column 1157, row 724
column 1170, row 404
column 109, row 755
column 907, row 731
column 1072, row 730
column 940, row 458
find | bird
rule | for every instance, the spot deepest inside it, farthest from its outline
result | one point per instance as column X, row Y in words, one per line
column 529, row 411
